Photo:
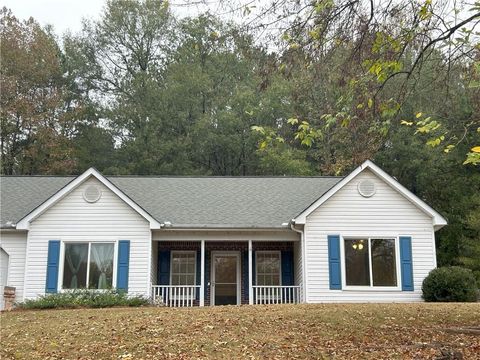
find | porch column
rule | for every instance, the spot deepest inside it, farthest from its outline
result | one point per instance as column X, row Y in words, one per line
column 250, row 273
column 202, row 273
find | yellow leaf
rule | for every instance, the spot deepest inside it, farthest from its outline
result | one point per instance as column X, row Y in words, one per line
column 405, row 122
column 418, row 115
column 476, row 149
column 370, row 103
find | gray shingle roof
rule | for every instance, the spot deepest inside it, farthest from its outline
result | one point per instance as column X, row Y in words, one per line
column 241, row 202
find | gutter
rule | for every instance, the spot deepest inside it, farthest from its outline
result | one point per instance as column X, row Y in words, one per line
column 169, row 226
column 9, row 225
column 304, row 260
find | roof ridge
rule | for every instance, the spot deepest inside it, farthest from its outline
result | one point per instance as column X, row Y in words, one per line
column 188, row 176
column 37, row 176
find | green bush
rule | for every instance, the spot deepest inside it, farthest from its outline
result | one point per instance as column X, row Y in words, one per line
column 83, row 298
column 450, row 284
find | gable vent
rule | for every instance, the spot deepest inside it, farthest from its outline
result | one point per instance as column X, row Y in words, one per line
column 92, row 194
column 366, row 188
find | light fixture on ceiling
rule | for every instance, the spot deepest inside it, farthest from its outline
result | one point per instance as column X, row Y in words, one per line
column 358, row 245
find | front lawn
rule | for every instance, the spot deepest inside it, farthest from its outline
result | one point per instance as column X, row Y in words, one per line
column 355, row 331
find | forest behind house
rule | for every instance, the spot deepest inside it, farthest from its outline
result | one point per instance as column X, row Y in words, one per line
column 305, row 88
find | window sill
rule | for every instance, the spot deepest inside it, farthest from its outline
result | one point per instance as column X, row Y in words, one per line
column 84, row 289
column 372, row 289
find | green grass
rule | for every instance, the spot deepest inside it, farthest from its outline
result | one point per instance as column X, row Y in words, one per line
column 343, row 331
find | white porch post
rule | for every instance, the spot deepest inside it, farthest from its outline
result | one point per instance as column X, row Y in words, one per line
column 250, row 274
column 202, row 273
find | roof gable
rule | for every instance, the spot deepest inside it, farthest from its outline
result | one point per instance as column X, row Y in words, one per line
column 24, row 223
column 438, row 220
column 185, row 201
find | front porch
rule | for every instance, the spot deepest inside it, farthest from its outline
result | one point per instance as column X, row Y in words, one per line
column 203, row 273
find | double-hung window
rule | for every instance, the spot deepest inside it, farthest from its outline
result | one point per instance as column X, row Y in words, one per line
column 183, row 268
column 268, row 268
column 88, row 265
column 370, row 262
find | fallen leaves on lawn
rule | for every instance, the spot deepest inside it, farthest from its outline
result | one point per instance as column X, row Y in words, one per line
column 324, row 331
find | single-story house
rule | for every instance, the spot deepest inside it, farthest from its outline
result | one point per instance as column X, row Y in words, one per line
column 195, row 241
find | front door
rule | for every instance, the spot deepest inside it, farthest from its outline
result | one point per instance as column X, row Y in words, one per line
column 225, row 286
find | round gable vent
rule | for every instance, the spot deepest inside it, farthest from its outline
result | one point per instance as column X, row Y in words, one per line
column 92, row 194
column 366, row 188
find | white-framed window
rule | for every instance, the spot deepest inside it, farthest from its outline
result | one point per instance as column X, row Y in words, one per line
column 268, row 268
column 183, row 268
column 88, row 265
column 371, row 262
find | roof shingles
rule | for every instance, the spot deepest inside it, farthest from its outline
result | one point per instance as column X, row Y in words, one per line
column 230, row 202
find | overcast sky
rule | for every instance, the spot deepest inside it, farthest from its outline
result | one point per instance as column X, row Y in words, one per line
column 68, row 14
column 62, row 14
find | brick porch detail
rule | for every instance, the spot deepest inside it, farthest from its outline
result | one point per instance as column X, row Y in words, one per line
column 241, row 246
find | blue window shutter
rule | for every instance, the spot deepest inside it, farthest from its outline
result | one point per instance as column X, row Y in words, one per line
column 122, row 264
column 245, row 276
column 287, row 268
column 406, row 263
column 198, row 274
column 53, row 259
column 164, row 267
column 334, row 262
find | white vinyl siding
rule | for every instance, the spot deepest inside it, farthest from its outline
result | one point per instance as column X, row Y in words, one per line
column 73, row 219
column 348, row 214
column 14, row 243
column 154, row 263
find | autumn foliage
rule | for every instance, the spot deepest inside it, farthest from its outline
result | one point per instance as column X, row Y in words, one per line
column 328, row 331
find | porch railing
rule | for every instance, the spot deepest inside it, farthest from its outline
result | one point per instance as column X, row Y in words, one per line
column 276, row 294
column 175, row 295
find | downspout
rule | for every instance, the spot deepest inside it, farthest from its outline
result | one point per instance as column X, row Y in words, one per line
column 304, row 270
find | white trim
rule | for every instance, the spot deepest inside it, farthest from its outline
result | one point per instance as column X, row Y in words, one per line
column 438, row 220
column 89, row 243
column 26, row 265
column 276, row 252
column 24, row 223
column 303, row 245
column 250, row 273
column 370, row 287
column 202, row 273
column 150, row 252
column 212, row 272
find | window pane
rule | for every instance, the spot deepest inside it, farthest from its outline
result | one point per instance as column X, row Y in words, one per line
column 175, row 265
column 268, row 269
column 183, row 268
column 101, row 266
column 384, row 269
column 75, row 266
column 357, row 270
column 275, row 265
column 260, row 280
column 190, row 280
column 175, row 279
column 260, row 263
